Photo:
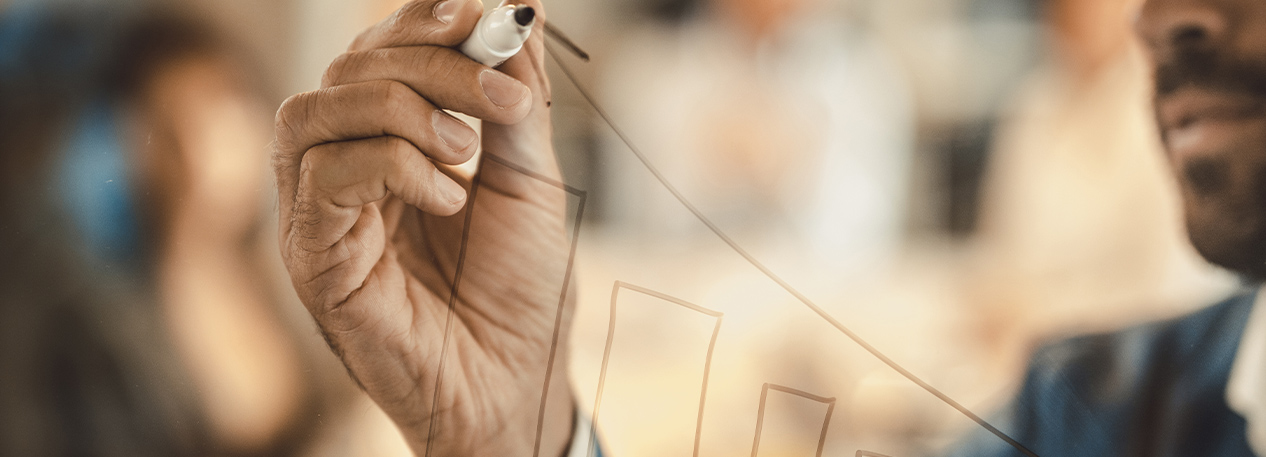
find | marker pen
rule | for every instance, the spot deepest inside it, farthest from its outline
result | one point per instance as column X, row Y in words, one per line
column 499, row 34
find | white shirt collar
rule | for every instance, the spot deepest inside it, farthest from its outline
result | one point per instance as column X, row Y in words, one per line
column 1246, row 390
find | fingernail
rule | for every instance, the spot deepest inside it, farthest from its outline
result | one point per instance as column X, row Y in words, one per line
column 502, row 90
column 456, row 135
column 451, row 191
column 446, row 10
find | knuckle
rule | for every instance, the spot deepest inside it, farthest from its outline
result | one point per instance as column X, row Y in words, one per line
column 415, row 23
column 362, row 40
column 429, row 191
column 320, row 172
column 290, row 115
column 308, row 166
column 411, row 15
column 434, row 35
column 419, row 59
column 393, row 97
column 361, row 192
column 406, row 157
column 338, row 68
column 440, row 65
column 400, row 151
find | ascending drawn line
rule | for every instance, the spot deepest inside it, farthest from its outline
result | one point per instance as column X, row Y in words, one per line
column 606, row 357
column 760, row 414
column 769, row 273
column 868, row 454
column 562, row 296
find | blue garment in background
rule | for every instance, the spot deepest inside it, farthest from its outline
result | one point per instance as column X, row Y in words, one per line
column 1156, row 390
column 95, row 186
column 57, row 52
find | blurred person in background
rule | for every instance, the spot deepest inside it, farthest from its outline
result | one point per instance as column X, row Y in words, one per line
column 1190, row 385
column 138, row 313
column 1081, row 223
column 783, row 119
column 368, row 236
column 791, row 125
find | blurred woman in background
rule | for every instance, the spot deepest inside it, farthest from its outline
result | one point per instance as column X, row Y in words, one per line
column 138, row 308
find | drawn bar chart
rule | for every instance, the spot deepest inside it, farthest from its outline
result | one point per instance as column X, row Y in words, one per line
column 607, row 357
column 490, row 159
column 769, row 273
column 760, row 414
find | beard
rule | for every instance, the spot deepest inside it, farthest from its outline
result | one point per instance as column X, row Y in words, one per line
column 1224, row 191
column 1225, row 212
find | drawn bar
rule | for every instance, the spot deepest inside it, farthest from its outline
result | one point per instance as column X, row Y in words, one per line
column 760, row 414
column 861, row 453
column 606, row 358
column 582, row 196
column 770, row 273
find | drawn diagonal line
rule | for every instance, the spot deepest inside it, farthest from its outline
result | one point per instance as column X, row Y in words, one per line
column 553, row 32
column 769, row 273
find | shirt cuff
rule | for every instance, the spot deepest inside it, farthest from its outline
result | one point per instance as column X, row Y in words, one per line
column 580, row 437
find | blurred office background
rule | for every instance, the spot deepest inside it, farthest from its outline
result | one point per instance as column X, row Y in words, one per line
column 955, row 181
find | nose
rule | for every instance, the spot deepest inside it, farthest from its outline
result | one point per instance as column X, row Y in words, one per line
column 1174, row 26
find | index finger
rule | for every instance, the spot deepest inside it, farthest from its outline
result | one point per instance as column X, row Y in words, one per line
column 423, row 22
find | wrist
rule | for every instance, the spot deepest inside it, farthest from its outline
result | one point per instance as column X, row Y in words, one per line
column 515, row 435
column 558, row 432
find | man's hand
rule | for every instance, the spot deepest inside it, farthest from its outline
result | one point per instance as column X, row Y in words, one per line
column 372, row 229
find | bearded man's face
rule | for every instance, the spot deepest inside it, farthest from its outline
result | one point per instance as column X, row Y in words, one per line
column 1209, row 58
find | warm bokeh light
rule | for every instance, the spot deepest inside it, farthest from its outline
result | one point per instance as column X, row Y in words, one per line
column 955, row 181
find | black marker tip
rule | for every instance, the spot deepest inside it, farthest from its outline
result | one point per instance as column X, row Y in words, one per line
column 523, row 15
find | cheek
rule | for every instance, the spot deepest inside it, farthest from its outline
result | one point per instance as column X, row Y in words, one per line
column 1250, row 28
